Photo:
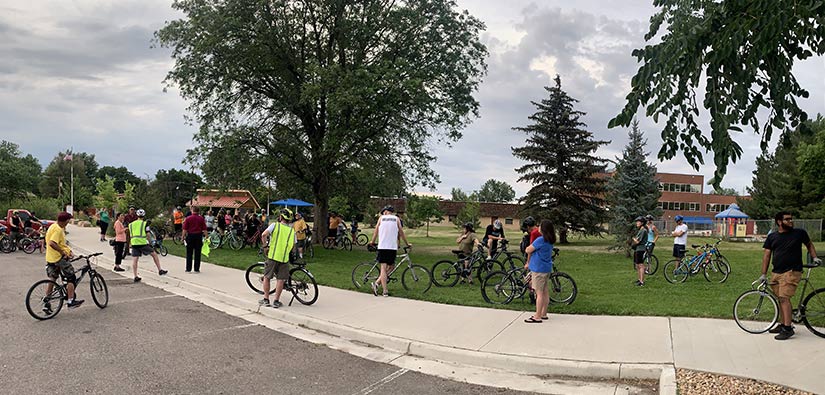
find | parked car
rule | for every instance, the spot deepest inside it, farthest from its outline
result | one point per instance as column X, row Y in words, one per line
column 24, row 215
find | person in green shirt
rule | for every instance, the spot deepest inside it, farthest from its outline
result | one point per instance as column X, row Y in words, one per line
column 103, row 223
column 639, row 246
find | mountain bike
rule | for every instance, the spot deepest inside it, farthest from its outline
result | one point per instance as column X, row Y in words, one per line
column 509, row 259
column 45, row 298
column 447, row 273
column 414, row 278
column 301, row 283
column 233, row 240
column 757, row 310
column 502, row 287
column 32, row 245
column 651, row 262
column 714, row 269
column 358, row 238
column 341, row 242
column 216, row 238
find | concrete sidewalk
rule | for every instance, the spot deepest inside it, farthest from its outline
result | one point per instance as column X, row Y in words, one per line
column 569, row 345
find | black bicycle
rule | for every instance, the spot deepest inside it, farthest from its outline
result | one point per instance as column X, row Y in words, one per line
column 501, row 287
column 301, row 283
column 510, row 260
column 446, row 273
column 45, row 298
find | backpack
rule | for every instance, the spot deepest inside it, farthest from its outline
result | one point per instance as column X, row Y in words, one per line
column 525, row 241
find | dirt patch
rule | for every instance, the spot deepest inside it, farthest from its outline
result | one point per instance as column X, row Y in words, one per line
column 694, row 382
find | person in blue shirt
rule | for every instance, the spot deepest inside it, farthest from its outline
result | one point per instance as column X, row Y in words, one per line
column 540, row 264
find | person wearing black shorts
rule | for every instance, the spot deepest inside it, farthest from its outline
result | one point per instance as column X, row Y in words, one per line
column 639, row 247
column 388, row 230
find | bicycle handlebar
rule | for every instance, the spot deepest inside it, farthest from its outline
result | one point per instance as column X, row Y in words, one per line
column 79, row 257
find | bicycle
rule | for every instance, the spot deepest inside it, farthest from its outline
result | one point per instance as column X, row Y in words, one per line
column 232, row 239
column 45, row 298
column 511, row 260
column 358, row 238
column 216, row 238
column 651, row 262
column 501, row 287
column 414, row 278
column 253, row 241
column 714, row 270
column 446, row 273
column 301, row 283
column 341, row 242
column 32, row 245
column 757, row 310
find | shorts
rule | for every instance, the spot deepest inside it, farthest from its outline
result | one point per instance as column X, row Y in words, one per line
column 142, row 250
column 301, row 243
column 279, row 270
column 639, row 257
column 387, row 256
column 784, row 284
column 678, row 250
column 178, row 227
column 61, row 268
column 539, row 281
column 333, row 233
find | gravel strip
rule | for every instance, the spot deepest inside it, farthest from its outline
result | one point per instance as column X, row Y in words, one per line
column 693, row 382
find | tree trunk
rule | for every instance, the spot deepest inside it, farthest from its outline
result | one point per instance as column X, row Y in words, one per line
column 563, row 235
column 428, row 228
column 320, row 188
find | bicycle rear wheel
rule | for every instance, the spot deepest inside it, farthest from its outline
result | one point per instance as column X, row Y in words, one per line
column 488, row 266
column 716, row 271
column 445, row 273
column 176, row 238
column 362, row 239
column 813, row 312
column 42, row 304
column 328, row 243
column 235, row 243
column 28, row 245
column 344, row 244
column 498, row 288
column 651, row 265
column 416, row 278
column 563, row 289
column 675, row 272
column 215, row 240
column 255, row 277
column 363, row 274
column 302, row 284
column 5, row 245
column 755, row 311
column 100, row 292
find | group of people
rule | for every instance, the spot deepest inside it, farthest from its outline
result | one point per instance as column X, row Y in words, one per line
column 20, row 228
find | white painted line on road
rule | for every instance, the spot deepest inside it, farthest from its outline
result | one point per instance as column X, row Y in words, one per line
column 221, row 330
column 385, row 380
column 147, row 298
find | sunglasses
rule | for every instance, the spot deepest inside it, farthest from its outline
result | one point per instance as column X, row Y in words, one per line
column 787, row 219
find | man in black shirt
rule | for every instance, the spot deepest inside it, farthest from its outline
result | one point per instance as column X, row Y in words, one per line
column 492, row 235
column 785, row 246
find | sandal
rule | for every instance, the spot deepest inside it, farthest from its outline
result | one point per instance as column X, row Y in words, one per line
column 545, row 318
column 532, row 320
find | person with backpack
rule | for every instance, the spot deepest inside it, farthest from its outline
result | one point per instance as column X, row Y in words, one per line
column 639, row 245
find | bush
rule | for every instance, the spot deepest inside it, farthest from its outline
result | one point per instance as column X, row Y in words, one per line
column 43, row 208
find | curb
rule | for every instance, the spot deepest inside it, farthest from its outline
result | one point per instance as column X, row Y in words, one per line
column 664, row 373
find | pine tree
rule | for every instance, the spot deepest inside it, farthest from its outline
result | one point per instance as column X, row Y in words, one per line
column 567, row 188
column 632, row 190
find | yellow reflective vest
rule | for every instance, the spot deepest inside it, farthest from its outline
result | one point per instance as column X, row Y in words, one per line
column 281, row 241
column 137, row 233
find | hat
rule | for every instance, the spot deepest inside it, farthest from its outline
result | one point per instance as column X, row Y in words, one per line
column 63, row 217
column 640, row 219
column 679, row 218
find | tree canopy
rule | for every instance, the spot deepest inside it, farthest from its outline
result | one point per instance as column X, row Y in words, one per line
column 496, row 191
column 319, row 86
column 745, row 51
column 19, row 174
column 423, row 210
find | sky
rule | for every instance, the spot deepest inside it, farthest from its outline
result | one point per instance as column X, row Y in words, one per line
column 84, row 74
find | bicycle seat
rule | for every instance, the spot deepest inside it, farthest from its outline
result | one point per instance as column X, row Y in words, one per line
column 695, row 245
column 457, row 252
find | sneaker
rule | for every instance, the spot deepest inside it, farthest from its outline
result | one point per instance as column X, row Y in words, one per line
column 277, row 304
column 119, row 269
column 386, row 295
column 374, row 289
column 264, row 302
column 637, row 283
column 784, row 334
column 776, row 329
column 47, row 308
column 641, row 284
column 162, row 272
column 74, row 303
column 137, row 279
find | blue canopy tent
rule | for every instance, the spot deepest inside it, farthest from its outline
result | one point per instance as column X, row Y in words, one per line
column 733, row 211
column 730, row 218
column 292, row 203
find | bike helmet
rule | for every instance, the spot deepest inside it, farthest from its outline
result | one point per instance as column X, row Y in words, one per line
column 285, row 214
column 529, row 221
column 640, row 219
column 388, row 208
column 468, row 226
column 679, row 218
column 497, row 224
column 140, row 212
column 649, row 217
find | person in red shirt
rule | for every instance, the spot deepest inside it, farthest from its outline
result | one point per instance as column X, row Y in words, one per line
column 194, row 231
column 532, row 232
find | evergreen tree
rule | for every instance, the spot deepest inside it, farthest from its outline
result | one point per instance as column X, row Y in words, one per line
column 567, row 188
column 633, row 189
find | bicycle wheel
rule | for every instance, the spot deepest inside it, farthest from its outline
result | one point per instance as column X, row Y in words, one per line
column 675, row 272
column 716, row 271
column 163, row 250
column 42, row 304
column 309, row 250
column 445, row 273
column 813, row 312
column 214, row 239
column 5, row 245
column 328, row 243
column 416, row 278
column 755, row 311
column 100, row 292
column 362, row 239
column 344, row 244
column 363, row 274
column 235, row 243
column 176, row 238
column 563, row 289
column 651, row 265
column 302, row 284
column 488, row 266
column 29, row 245
column 498, row 288
column 255, row 277
column 514, row 262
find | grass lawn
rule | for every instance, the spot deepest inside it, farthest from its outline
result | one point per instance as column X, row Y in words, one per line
column 604, row 278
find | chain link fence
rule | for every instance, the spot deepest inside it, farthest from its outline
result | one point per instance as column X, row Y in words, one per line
column 745, row 228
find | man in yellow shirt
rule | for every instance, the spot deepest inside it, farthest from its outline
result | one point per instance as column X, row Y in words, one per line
column 58, row 254
column 300, row 227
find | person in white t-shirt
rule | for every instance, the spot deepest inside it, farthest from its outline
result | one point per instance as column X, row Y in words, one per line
column 679, row 237
column 388, row 230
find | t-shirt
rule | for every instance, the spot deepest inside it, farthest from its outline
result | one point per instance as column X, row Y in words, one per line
column 210, row 221
column 541, row 260
column 194, row 224
column 178, row 217
column 534, row 234
column 57, row 235
column 467, row 244
column 681, row 240
column 120, row 231
column 15, row 224
column 492, row 231
column 641, row 235
column 300, row 227
column 786, row 248
column 104, row 216
column 128, row 218
column 388, row 232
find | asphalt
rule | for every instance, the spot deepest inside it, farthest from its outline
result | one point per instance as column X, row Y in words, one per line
column 604, row 347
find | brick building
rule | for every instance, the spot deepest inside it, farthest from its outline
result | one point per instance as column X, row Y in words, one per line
column 683, row 194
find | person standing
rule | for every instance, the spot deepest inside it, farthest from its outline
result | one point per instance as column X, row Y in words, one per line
column 58, row 254
column 784, row 249
column 300, row 227
column 130, row 216
column 639, row 247
column 194, row 231
column 492, row 235
column 679, row 238
column 652, row 234
column 333, row 226
column 177, row 216
column 140, row 244
column 540, row 264
column 120, row 242
column 16, row 227
column 281, row 242
column 209, row 218
column 388, row 231
column 103, row 222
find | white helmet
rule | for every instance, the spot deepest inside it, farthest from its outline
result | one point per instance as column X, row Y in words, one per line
column 140, row 212
column 497, row 224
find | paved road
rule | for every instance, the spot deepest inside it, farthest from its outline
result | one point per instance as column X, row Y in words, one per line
column 150, row 341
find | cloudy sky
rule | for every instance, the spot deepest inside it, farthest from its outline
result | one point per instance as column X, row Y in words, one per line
column 82, row 74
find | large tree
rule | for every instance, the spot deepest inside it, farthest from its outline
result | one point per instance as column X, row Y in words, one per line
column 121, row 176
column 496, row 191
column 57, row 176
column 19, row 175
column 632, row 190
column 317, row 86
column 175, row 187
column 743, row 52
column 567, row 188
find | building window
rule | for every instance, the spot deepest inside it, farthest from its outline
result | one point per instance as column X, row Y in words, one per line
column 717, row 208
column 680, row 206
column 686, row 188
column 508, row 221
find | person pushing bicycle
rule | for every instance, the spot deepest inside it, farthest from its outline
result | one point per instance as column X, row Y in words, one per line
column 277, row 257
column 58, row 255
column 388, row 230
